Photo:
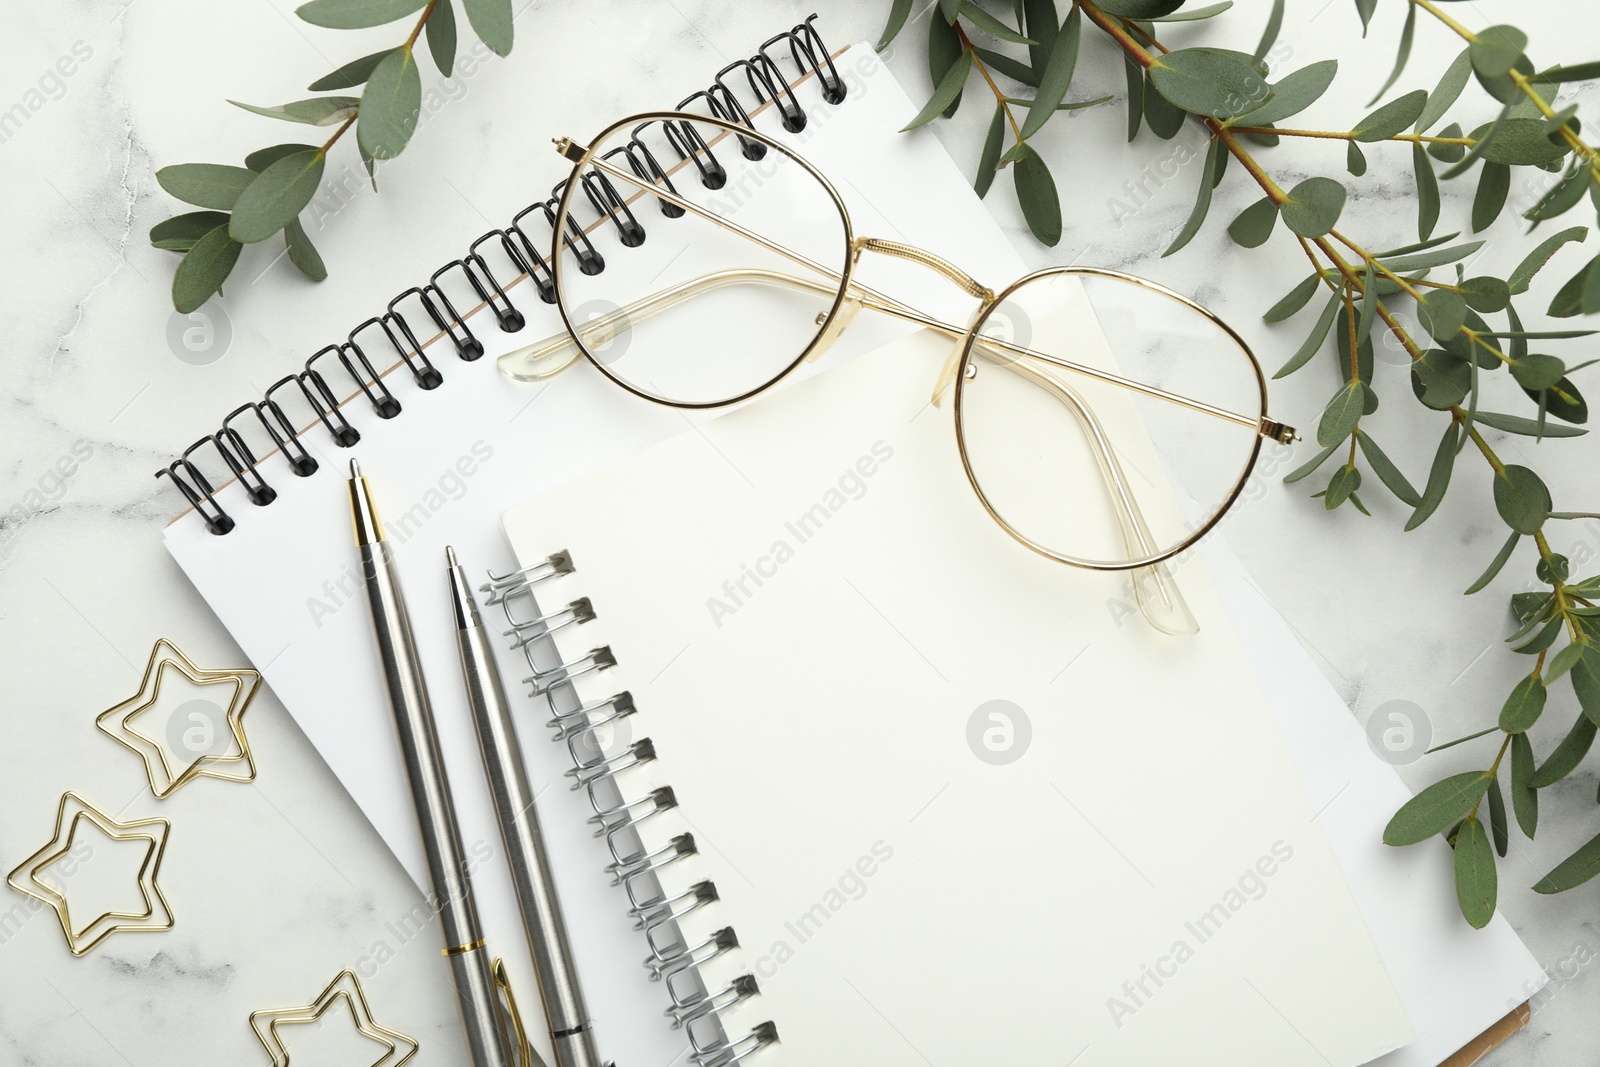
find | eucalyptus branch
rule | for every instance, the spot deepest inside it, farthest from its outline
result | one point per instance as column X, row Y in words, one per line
column 265, row 197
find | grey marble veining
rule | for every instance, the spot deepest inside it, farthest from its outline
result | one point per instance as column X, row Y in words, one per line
column 282, row 882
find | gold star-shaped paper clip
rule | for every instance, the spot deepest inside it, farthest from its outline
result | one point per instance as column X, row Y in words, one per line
column 26, row 878
column 346, row 989
column 168, row 774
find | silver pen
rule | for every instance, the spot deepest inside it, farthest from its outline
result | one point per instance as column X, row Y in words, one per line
column 430, row 788
column 564, row 1008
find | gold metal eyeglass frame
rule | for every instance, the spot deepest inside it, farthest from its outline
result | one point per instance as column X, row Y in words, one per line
column 548, row 357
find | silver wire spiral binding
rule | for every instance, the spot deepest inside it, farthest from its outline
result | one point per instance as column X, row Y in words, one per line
column 674, row 961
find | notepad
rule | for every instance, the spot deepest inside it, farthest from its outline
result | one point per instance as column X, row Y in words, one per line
column 952, row 812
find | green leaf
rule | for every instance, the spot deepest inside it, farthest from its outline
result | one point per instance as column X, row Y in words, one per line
column 278, row 194
column 356, row 14
column 390, row 108
column 1577, row 72
column 1573, row 871
column 1540, row 641
column 181, row 232
column 1134, row 75
column 1567, row 755
column 1195, row 14
column 1011, row 68
column 1441, row 379
column 1535, row 261
column 1293, row 94
column 1140, row 9
column 1355, row 160
column 302, row 253
column 1448, row 153
column 1497, row 812
column 1496, row 50
column 491, row 21
column 1448, row 91
column 899, row 11
column 1057, row 76
column 1563, row 401
column 1293, row 300
column 1494, row 183
column 944, row 51
column 1486, row 294
column 1444, row 459
column 1524, row 706
column 1496, row 564
column 1386, row 471
column 945, row 93
column 1520, row 142
column 1524, row 798
column 990, row 158
column 1313, row 341
column 1364, row 8
column 1392, row 118
column 1585, row 676
column 1254, row 225
column 1567, row 302
column 316, row 111
column 352, row 74
column 1408, row 33
column 1339, row 418
column 203, row 269
column 1476, row 879
column 1526, row 427
column 1036, row 192
column 442, row 36
column 1521, row 498
column 1310, row 465
column 1561, row 197
column 1207, row 81
column 1341, row 487
column 1041, row 23
column 1314, row 206
column 263, row 158
column 991, row 25
column 1269, row 35
column 1433, row 257
column 1535, row 371
column 1436, row 808
column 1442, row 313
column 210, row 185
column 1427, row 192
column 1165, row 118
column 1202, row 200
column 1562, row 661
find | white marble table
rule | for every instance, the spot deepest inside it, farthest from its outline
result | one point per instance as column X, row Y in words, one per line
column 100, row 389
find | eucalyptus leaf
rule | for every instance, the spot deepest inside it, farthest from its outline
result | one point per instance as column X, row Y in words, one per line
column 991, row 25
column 990, row 157
column 1486, row 294
column 278, row 194
column 1441, row 379
column 1448, row 153
column 1408, row 34
column 491, row 21
column 1567, row 755
column 1447, row 92
column 356, row 14
column 1535, row 260
column 1585, row 677
column 1436, row 808
column 1057, row 76
column 1269, row 34
column 1563, row 196
column 1524, row 706
column 315, row 111
column 1432, row 257
column 1442, row 313
column 899, row 11
column 391, row 106
column 211, row 185
column 1497, row 812
column 1314, row 206
column 1202, row 200
column 1541, row 640
column 1392, row 118
column 1292, row 301
column 1386, row 471
column 1577, row 72
column 1495, row 50
column 203, row 269
column 1573, row 871
column 1563, row 401
column 302, row 253
column 1567, row 302
column 1355, row 160
column 1524, row 798
column 1341, row 487
column 181, row 232
column 263, row 158
column 1427, row 192
column 1195, row 14
column 1494, row 184
column 1519, row 142
column 1207, row 81
column 1310, row 465
column 1254, row 225
column 1294, row 93
column 1036, row 192
column 352, row 74
column 1011, row 68
column 1536, row 371
column 1526, row 427
column 1135, row 77
column 442, row 36
column 1343, row 412
column 1496, row 564
column 944, row 51
column 1140, row 9
column 1521, row 498
column 1165, row 118
column 1313, row 341
column 1041, row 23
column 1476, row 879
column 1433, row 493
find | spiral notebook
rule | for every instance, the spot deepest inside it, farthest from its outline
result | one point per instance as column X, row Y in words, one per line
column 450, row 443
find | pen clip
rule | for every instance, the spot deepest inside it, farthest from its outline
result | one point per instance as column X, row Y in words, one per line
column 527, row 1056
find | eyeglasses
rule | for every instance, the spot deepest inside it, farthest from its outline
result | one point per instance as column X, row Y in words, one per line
column 1102, row 420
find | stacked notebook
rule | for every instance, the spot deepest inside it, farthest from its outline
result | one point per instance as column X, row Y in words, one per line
column 832, row 654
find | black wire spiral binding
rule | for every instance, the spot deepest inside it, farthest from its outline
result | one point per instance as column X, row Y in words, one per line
column 764, row 78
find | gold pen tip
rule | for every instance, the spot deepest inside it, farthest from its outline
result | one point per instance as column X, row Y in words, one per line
column 355, row 469
column 450, row 556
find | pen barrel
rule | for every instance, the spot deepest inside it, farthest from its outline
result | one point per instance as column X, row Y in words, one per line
column 436, row 818
column 565, row 1012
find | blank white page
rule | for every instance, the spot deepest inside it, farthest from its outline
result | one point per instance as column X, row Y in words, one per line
column 1121, row 894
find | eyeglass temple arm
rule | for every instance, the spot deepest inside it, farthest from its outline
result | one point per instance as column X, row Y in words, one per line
column 1158, row 595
